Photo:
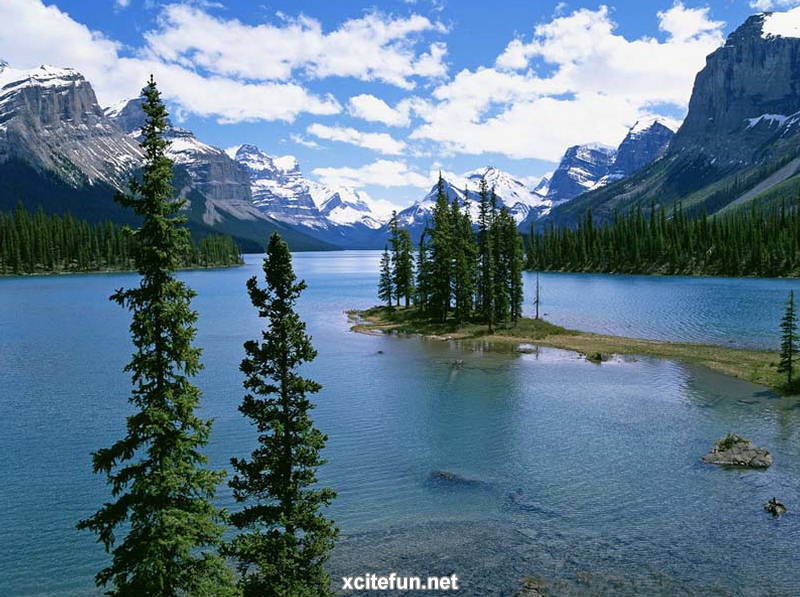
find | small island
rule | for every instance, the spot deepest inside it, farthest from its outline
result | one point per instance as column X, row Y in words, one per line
column 466, row 284
column 752, row 365
column 734, row 450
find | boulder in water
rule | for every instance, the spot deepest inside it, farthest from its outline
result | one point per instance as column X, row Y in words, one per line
column 734, row 450
column 453, row 480
column 775, row 507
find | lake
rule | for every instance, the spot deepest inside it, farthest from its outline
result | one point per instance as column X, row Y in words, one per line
column 586, row 475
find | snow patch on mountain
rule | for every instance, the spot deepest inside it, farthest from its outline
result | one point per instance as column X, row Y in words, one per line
column 770, row 119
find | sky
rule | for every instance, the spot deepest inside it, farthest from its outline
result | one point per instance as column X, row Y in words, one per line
column 381, row 95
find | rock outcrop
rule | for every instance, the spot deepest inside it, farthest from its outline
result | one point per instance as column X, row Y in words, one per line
column 734, row 450
column 775, row 507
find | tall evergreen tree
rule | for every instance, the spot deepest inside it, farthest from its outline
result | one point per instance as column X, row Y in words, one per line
column 424, row 283
column 163, row 492
column 403, row 272
column 516, row 262
column 485, row 294
column 385, row 282
column 789, row 341
column 441, row 255
column 287, row 539
column 465, row 254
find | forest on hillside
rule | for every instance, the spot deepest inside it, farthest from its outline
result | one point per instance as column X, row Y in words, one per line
column 745, row 242
column 37, row 243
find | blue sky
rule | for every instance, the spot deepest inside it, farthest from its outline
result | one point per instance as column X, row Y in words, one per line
column 380, row 95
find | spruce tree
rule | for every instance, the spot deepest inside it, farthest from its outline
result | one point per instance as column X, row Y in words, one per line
column 163, row 493
column 423, row 286
column 485, row 292
column 789, row 341
column 385, row 283
column 404, row 267
column 441, row 255
column 464, row 264
column 286, row 539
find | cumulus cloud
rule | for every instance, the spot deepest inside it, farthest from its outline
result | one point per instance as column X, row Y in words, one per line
column 374, row 47
column 373, row 109
column 385, row 173
column 238, row 72
column 597, row 83
column 381, row 142
column 773, row 4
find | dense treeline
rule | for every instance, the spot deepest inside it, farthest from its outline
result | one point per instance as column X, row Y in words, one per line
column 458, row 274
column 41, row 243
column 741, row 243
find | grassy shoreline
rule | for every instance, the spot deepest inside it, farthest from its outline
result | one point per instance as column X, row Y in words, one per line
column 752, row 365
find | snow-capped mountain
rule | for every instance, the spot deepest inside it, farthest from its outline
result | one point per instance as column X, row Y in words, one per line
column 223, row 183
column 51, row 121
column 592, row 166
column 581, row 168
column 345, row 207
column 521, row 201
column 278, row 187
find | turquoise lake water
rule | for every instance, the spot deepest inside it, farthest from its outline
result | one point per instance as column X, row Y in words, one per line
column 587, row 475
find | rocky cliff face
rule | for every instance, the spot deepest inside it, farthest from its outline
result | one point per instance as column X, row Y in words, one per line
column 50, row 120
column 224, row 184
column 748, row 90
column 645, row 142
column 581, row 168
column 278, row 187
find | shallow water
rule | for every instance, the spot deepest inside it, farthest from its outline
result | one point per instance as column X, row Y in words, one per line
column 587, row 475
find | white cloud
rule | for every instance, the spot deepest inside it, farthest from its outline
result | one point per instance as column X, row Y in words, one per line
column 43, row 34
column 385, row 173
column 773, row 4
column 301, row 140
column 597, row 84
column 382, row 142
column 120, row 4
column 685, row 24
column 375, row 47
column 239, row 72
column 373, row 109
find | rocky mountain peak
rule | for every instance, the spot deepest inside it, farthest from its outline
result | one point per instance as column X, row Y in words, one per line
column 646, row 141
column 581, row 168
column 50, row 119
column 746, row 92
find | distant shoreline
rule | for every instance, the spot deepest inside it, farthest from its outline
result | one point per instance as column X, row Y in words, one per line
column 53, row 274
column 755, row 366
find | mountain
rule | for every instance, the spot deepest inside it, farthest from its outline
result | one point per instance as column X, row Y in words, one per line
column 592, row 166
column 581, row 168
column 61, row 151
column 340, row 216
column 740, row 141
column 55, row 142
column 346, row 207
column 512, row 194
column 645, row 142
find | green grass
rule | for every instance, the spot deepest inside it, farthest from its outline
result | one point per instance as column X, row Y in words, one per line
column 756, row 366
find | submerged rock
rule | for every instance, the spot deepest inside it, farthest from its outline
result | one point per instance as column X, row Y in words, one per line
column 520, row 501
column 734, row 450
column 449, row 479
column 775, row 507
